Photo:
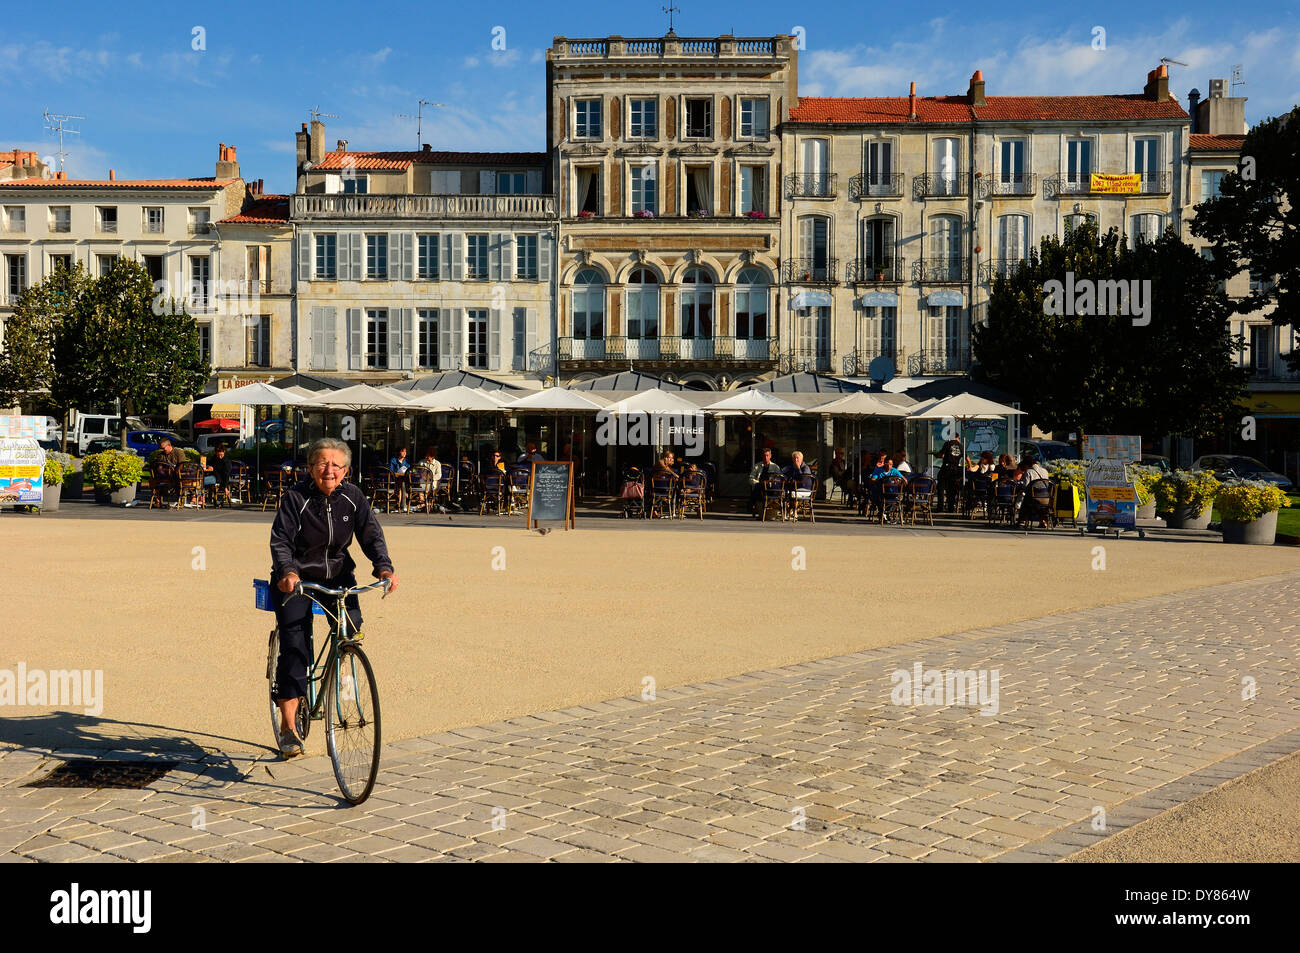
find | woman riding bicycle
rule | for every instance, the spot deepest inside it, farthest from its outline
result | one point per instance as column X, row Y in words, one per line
column 313, row 528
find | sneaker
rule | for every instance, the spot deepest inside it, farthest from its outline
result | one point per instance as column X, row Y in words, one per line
column 290, row 744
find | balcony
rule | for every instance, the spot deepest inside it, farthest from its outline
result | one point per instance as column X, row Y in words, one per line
column 724, row 47
column 668, row 349
column 938, row 361
column 810, row 271
column 857, row 363
column 810, row 185
column 1000, row 268
column 937, row 271
column 1008, row 183
column 935, row 185
column 875, row 270
column 380, row 206
column 1150, row 183
column 799, row 360
column 873, row 185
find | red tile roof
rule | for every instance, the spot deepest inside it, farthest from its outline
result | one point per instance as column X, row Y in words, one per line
column 209, row 184
column 262, row 210
column 955, row 109
column 399, row 161
column 1203, row 141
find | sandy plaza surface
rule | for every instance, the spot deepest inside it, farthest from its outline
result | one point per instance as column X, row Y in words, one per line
column 494, row 623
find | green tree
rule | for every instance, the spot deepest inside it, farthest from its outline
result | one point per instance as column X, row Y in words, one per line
column 1104, row 373
column 1254, row 224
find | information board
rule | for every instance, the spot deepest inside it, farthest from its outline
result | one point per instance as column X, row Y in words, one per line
column 1112, row 447
column 550, row 493
column 1112, row 498
column 34, row 427
column 22, row 465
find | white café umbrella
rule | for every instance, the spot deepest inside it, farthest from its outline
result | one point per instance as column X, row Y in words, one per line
column 358, row 398
column 653, row 402
column 857, row 407
column 963, row 407
column 753, row 404
column 559, row 400
column 257, row 394
column 457, row 400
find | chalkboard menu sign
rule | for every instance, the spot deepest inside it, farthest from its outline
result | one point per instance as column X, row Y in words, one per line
column 550, row 494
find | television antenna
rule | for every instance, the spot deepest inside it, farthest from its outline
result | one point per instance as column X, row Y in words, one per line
column 1170, row 62
column 419, row 121
column 1236, row 80
column 57, row 123
column 317, row 115
column 670, row 10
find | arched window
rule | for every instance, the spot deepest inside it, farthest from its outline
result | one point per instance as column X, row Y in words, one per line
column 1146, row 227
column 588, row 305
column 751, row 307
column 945, row 248
column 697, row 313
column 1078, row 220
column 1013, row 243
column 642, row 314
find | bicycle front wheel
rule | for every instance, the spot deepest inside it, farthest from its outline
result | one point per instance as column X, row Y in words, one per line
column 352, row 724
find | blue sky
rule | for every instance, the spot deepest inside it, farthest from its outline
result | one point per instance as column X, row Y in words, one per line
column 156, row 107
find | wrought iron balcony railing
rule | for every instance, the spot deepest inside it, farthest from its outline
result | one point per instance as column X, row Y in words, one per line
column 1008, row 183
column 733, row 350
column 810, row 185
column 857, row 363
column 382, row 206
column 940, row 185
column 872, row 185
column 867, row 270
column 1149, row 183
column 938, row 361
column 1000, row 268
column 941, row 270
column 810, row 271
column 798, row 360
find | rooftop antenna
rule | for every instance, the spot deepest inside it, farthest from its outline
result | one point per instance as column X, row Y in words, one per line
column 1168, row 62
column 57, row 124
column 316, row 114
column 670, row 10
column 1236, row 80
column 419, row 121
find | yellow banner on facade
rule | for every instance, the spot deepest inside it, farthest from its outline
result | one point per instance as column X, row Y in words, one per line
column 1105, row 183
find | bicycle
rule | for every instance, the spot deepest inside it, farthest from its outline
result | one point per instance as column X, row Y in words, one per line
column 341, row 690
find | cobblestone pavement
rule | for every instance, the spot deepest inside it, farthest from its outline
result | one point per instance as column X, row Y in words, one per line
column 1126, row 709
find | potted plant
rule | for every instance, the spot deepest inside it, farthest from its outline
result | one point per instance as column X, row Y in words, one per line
column 115, row 474
column 880, row 274
column 51, row 484
column 585, row 213
column 1248, row 511
column 644, row 213
column 1186, row 497
column 1144, row 481
column 755, row 213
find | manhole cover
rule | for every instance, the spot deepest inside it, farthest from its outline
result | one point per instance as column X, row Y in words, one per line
column 86, row 773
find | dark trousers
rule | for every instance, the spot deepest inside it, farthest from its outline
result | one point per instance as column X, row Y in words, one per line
column 293, row 616
column 949, row 490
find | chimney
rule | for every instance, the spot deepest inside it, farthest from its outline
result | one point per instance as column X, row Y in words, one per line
column 1157, row 87
column 317, row 149
column 1221, row 114
column 112, row 175
column 428, row 147
column 61, row 175
column 342, row 145
column 911, row 101
column 976, row 91
column 1193, row 98
column 300, row 141
column 227, row 162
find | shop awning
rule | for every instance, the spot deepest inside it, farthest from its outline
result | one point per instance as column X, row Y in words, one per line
column 811, row 299
column 945, row 298
column 879, row 299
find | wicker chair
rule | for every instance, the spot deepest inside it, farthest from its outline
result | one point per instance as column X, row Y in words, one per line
column 891, row 498
column 384, row 489
column 920, row 494
column 495, row 489
column 163, row 490
column 693, row 498
column 773, row 495
column 802, row 490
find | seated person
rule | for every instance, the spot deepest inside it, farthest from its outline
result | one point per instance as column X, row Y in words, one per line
column 872, row 482
column 761, row 471
column 218, row 474
column 169, row 457
column 431, row 463
column 399, row 463
column 795, row 472
column 497, row 462
column 530, row 454
column 1033, row 469
column 986, row 464
column 840, row 476
column 900, row 461
column 1005, row 467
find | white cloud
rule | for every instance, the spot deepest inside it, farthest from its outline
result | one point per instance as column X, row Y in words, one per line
column 379, row 56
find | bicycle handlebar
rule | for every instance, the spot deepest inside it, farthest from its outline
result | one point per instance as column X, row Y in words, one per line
column 298, row 590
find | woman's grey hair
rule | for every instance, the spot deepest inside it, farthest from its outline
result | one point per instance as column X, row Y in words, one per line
column 329, row 443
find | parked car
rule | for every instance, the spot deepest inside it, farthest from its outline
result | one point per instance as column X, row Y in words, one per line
column 1161, row 463
column 208, row 442
column 89, row 426
column 1045, row 451
column 100, row 444
column 1228, row 466
column 145, row 442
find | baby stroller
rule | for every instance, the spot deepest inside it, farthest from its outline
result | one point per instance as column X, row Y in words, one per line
column 633, row 492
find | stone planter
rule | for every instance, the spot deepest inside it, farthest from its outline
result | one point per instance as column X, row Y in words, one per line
column 1185, row 517
column 72, row 485
column 123, row 495
column 1260, row 532
column 1147, row 512
column 50, row 494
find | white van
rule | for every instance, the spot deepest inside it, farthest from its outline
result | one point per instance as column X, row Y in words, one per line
column 89, row 426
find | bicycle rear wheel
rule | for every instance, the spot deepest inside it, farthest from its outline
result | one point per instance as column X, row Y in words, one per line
column 303, row 718
column 352, row 724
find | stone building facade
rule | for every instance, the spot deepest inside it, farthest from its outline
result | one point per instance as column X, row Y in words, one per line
column 667, row 165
